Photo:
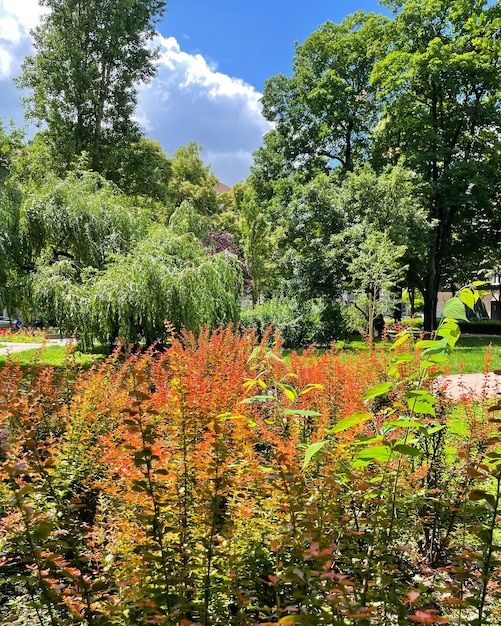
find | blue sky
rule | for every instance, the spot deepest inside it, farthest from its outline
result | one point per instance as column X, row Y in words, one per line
column 215, row 58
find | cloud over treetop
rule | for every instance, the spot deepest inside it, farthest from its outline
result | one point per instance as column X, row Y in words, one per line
column 187, row 100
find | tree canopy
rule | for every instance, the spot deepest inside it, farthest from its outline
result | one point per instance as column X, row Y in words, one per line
column 90, row 56
column 419, row 90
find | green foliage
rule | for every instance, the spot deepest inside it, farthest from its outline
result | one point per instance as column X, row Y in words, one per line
column 441, row 102
column 299, row 324
column 82, row 219
column 375, row 269
column 215, row 483
column 89, row 258
column 192, row 181
column 144, row 170
column 166, row 277
column 325, row 111
column 89, row 58
column 416, row 96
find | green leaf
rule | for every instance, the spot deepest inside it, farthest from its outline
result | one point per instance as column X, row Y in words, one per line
column 302, row 413
column 419, row 405
column 375, row 453
column 402, row 338
column 310, row 387
column 354, row 420
column 467, row 297
column 437, row 347
column 403, row 424
column 405, row 357
column 378, row 390
column 451, row 330
column 42, row 529
column 454, row 308
column 313, row 449
column 434, row 430
column 420, row 393
column 480, row 494
column 402, row 448
column 256, row 399
column 289, row 391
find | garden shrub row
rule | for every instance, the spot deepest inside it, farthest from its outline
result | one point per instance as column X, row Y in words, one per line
column 215, row 483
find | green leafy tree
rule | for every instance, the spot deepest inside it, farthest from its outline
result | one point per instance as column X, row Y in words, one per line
column 376, row 268
column 325, row 112
column 386, row 202
column 144, row 170
column 255, row 242
column 96, row 263
column 81, row 220
column 90, row 55
column 192, row 180
column 165, row 277
column 11, row 254
column 442, row 116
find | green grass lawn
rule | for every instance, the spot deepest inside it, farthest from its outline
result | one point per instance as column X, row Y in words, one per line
column 468, row 356
column 54, row 356
column 470, row 352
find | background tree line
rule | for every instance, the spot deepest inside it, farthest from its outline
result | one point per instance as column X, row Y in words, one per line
column 412, row 98
column 381, row 173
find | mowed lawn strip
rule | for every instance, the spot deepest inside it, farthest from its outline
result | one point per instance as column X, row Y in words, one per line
column 52, row 356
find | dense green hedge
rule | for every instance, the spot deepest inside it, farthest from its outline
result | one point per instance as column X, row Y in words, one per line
column 300, row 323
column 481, row 327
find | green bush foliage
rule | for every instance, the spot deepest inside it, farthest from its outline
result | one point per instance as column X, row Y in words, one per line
column 300, row 324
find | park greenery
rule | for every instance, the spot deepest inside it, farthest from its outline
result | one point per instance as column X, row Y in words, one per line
column 186, row 470
column 215, row 482
column 383, row 156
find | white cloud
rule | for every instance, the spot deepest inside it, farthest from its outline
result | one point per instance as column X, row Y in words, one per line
column 26, row 13
column 188, row 99
column 17, row 18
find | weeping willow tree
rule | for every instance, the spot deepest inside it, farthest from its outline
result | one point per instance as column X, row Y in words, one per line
column 167, row 276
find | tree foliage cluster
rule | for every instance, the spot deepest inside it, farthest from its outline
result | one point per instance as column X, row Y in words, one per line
column 78, row 252
column 101, row 232
column 388, row 124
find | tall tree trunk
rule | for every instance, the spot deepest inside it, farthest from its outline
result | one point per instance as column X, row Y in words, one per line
column 432, row 283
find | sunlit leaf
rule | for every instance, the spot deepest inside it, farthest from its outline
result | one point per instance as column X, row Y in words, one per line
column 354, row 420
column 455, row 308
column 376, row 453
column 302, row 413
column 419, row 405
column 310, row 387
column 256, row 399
column 402, row 338
column 467, row 297
column 378, row 390
column 402, row 448
column 313, row 449
column 289, row 391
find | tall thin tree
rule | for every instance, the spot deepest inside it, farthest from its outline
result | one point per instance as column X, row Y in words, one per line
column 90, row 56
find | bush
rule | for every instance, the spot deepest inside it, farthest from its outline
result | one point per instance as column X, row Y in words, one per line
column 217, row 483
column 299, row 323
column 481, row 327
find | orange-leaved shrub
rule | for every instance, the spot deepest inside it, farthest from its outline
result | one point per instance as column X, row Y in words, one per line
column 216, row 482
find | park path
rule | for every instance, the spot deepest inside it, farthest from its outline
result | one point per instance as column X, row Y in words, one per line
column 11, row 347
column 476, row 386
